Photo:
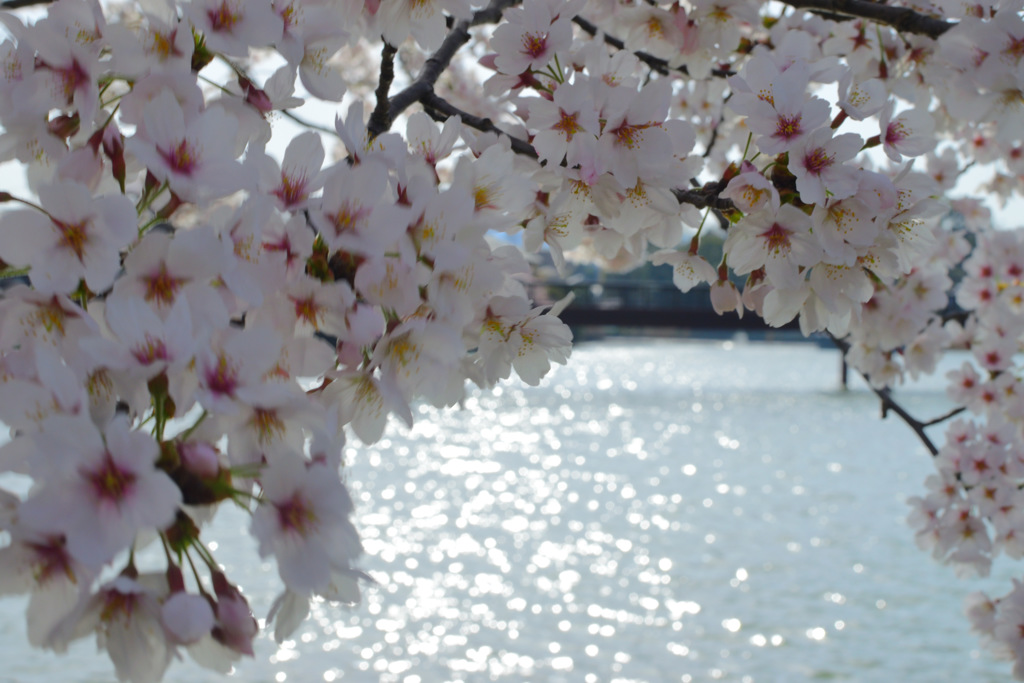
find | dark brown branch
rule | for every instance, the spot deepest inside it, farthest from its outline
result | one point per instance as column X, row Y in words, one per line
column 890, row 404
column 381, row 116
column 655, row 63
column 438, row 62
column 440, row 109
column 943, row 418
column 705, row 197
column 903, row 19
column 18, row 4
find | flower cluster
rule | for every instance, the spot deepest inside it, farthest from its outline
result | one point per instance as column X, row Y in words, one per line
column 201, row 306
column 199, row 323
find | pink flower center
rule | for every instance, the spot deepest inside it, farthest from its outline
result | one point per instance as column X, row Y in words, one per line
column 776, row 238
column 788, row 127
column 267, row 424
column 307, row 310
column 817, row 161
column 150, row 351
column 117, row 604
column 288, row 14
column 1014, row 49
column 655, row 29
column 222, row 378
column 72, row 77
column 73, row 236
column 895, row 133
column 162, row 44
column 181, row 159
column 223, row 18
column 51, row 560
column 291, row 192
column 630, row 136
column 347, row 217
column 161, row 286
column 110, row 482
column 567, row 124
column 534, row 44
column 296, row 515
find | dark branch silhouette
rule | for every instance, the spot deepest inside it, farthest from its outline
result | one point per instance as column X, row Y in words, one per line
column 902, row 19
column 381, row 115
column 440, row 109
column 890, row 404
column 655, row 63
column 436, row 64
column 18, row 4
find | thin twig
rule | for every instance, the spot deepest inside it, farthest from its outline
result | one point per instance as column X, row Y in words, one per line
column 655, row 63
column 308, row 124
column 943, row 418
column 890, row 404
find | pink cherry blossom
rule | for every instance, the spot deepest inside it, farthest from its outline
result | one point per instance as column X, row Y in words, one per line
column 107, row 492
column 78, row 238
column 303, row 522
column 195, row 157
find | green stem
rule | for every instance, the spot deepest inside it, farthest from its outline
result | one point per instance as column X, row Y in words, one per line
column 158, row 410
column 702, row 221
column 148, row 198
column 188, row 432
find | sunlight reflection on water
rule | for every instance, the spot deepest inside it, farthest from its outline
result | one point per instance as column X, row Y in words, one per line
column 654, row 511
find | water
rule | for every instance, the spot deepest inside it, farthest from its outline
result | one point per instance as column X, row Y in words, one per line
column 655, row 511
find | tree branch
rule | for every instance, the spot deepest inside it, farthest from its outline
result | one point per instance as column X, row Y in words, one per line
column 18, row 4
column 890, row 404
column 656, row 63
column 381, row 117
column 944, row 417
column 705, row 197
column 903, row 19
column 438, row 62
column 440, row 109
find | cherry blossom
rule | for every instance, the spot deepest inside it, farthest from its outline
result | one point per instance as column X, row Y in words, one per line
column 77, row 238
column 110, row 492
column 818, row 162
column 204, row 302
column 304, row 523
column 531, row 36
column 196, row 158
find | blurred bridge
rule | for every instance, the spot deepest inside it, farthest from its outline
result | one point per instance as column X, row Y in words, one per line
column 629, row 304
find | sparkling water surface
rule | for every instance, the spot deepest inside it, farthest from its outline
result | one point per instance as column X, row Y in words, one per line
column 654, row 511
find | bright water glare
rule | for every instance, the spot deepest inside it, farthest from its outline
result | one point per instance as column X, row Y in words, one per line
column 655, row 511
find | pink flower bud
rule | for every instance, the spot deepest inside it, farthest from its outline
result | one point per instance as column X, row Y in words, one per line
column 199, row 458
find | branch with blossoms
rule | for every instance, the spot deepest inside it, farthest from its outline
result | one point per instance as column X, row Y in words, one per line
column 199, row 322
column 890, row 404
